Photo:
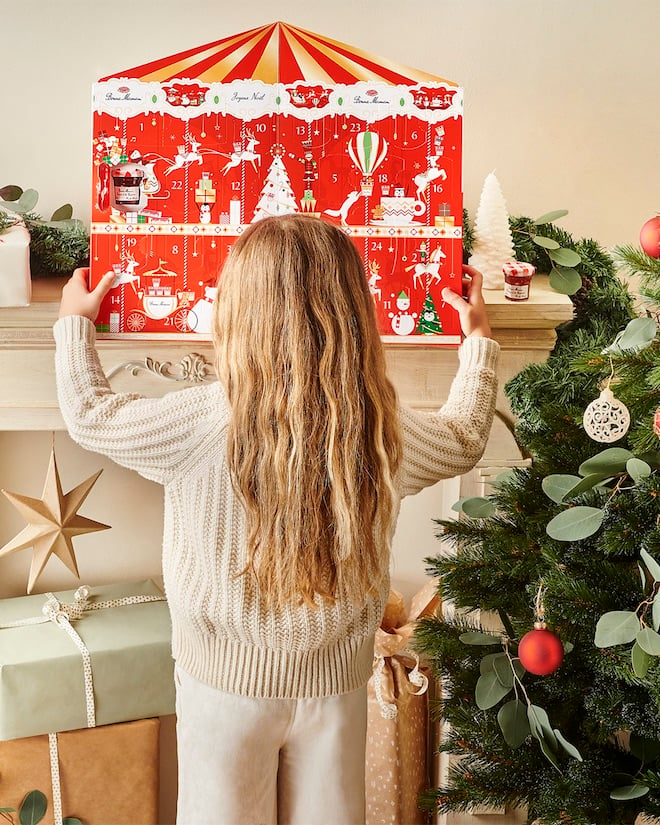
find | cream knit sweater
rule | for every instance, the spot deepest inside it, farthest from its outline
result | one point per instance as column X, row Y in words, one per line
column 221, row 634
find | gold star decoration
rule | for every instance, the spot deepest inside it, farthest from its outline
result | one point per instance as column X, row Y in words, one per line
column 53, row 521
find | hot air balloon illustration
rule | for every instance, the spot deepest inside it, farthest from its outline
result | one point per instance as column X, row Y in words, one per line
column 367, row 153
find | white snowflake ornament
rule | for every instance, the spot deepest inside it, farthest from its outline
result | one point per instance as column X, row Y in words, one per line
column 606, row 419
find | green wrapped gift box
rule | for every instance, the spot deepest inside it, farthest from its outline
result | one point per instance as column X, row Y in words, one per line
column 42, row 676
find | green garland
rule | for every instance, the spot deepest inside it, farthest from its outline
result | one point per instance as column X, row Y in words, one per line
column 57, row 246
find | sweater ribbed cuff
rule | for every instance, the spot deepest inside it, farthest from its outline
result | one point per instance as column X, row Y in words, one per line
column 74, row 329
column 481, row 352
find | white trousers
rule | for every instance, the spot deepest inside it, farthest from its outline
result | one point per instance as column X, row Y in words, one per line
column 246, row 761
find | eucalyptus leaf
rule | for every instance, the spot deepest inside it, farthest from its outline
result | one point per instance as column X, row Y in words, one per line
column 489, row 690
column 7, row 810
column 641, row 661
column 540, row 725
column 655, row 611
column 556, row 486
column 486, row 665
column 575, row 524
column 642, row 576
column 638, row 334
column 502, row 478
column 651, row 564
column 476, row 638
column 570, row 749
column 33, row 808
column 565, row 280
column 646, row 750
column 649, row 641
column 611, row 460
column 549, row 755
column 629, row 792
column 27, row 201
column 64, row 213
column 71, row 820
column 549, row 217
column 546, row 243
column 587, row 483
column 457, row 506
column 513, row 722
column 10, row 193
column 564, row 257
column 637, row 469
column 478, row 507
column 503, row 672
column 616, row 628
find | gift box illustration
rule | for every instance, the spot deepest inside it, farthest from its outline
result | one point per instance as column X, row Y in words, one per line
column 190, row 150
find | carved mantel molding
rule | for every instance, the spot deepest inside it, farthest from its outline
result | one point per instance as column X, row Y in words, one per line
column 192, row 368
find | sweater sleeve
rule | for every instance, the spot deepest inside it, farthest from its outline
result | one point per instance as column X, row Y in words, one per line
column 149, row 435
column 449, row 442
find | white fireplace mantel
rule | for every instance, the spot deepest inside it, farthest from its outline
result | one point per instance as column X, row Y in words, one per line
column 153, row 366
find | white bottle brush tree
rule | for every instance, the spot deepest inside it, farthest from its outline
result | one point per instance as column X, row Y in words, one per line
column 493, row 243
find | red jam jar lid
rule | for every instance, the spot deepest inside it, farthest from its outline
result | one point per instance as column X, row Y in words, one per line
column 518, row 268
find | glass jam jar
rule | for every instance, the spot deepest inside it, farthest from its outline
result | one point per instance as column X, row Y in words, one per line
column 517, row 280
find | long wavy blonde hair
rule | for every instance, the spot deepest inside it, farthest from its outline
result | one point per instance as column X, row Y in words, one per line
column 313, row 443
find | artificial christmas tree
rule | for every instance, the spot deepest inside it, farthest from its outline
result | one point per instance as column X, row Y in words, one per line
column 578, row 531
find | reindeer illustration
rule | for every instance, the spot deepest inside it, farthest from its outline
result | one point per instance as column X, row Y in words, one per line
column 374, row 266
column 430, row 270
column 187, row 153
column 241, row 155
column 125, row 273
column 424, row 179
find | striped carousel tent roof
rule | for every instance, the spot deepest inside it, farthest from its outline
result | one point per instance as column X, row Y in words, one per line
column 276, row 53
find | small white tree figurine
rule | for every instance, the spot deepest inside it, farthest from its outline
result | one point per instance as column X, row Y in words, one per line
column 493, row 244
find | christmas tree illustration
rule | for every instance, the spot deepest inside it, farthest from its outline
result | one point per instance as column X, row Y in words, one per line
column 429, row 323
column 277, row 196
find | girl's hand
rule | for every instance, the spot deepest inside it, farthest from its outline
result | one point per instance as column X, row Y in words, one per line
column 471, row 309
column 78, row 300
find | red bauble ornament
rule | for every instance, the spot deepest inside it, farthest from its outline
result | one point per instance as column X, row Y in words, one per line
column 649, row 237
column 541, row 651
column 656, row 422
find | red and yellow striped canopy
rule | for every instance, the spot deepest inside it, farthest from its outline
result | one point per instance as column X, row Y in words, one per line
column 278, row 53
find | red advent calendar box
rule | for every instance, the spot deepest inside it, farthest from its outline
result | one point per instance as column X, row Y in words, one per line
column 189, row 150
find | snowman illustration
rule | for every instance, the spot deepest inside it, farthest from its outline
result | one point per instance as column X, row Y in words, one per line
column 200, row 317
column 404, row 322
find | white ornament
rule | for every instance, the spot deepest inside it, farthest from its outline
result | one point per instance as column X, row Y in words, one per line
column 606, row 419
column 493, row 243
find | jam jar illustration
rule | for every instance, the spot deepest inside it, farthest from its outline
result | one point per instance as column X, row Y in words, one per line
column 126, row 192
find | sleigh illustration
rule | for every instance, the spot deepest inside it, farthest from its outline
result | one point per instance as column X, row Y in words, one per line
column 161, row 299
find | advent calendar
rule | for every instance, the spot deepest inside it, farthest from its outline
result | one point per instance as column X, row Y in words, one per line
column 189, row 150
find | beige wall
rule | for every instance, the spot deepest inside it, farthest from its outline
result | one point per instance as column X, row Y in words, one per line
column 561, row 95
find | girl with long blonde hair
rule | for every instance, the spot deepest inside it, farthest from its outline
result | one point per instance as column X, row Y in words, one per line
column 282, row 483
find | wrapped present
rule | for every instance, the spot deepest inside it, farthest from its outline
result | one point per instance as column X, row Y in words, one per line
column 397, row 763
column 89, row 657
column 101, row 775
column 15, row 283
